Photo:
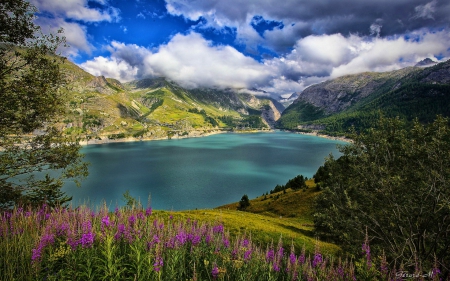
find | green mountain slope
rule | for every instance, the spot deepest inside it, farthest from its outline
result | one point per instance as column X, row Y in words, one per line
column 102, row 109
column 356, row 100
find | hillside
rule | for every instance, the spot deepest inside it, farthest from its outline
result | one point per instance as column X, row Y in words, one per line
column 102, row 109
column 355, row 100
column 288, row 213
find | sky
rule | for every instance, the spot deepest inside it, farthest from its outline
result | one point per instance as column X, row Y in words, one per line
column 274, row 46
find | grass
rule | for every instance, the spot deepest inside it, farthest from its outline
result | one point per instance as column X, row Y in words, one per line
column 138, row 244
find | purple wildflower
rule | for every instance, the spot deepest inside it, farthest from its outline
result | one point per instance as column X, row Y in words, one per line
column 218, row 229
column 47, row 239
column 105, row 221
column 366, row 251
column 226, row 242
column 36, row 254
column 87, row 239
column 159, row 262
column 215, row 271
column 120, row 232
column 317, row 259
column 117, row 212
column 63, row 229
column 292, row 258
column 148, row 211
column 132, row 220
column 181, row 237
column 196, row 240
column 276, row 267
column 247, row 255
column 270, row 255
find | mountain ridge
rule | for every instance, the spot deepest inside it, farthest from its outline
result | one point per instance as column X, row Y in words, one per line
column 356, row 100
column 103, row 109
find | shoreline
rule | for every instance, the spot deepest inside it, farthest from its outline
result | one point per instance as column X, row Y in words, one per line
column 205, row 133
column 106, row 140
column 192, row 134
column 317, row 134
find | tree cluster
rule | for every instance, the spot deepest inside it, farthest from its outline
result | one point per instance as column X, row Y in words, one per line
column 35, row 158
column 393, row 182
column 296, row 183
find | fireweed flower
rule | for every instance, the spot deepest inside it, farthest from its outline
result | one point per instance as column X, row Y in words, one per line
column 218, row 229
column 215, row 271
column 366, row 251
column 292, row 258
column 248, row 255
column 148, row 211
column 159, row 262
column 87, row 239
column 120, row 232
column 105, row 221
column 270, row 255
column 196, row 240
column 317, row 259
column 132, row 220
column 226, row 242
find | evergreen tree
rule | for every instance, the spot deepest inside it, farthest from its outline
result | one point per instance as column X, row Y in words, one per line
column 35, row 156
column 244, row 203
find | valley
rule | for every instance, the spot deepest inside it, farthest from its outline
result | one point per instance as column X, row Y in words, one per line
column 104, row 110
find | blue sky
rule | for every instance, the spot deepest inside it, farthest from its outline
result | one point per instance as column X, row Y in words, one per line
column 277, row 46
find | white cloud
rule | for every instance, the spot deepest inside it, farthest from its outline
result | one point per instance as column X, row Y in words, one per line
column 192, row 61
column 426, row 11
column 110, row 67
column 77, row 10
column 75, row 34
column 383, row 54
column 189, row 60
column 62, row 11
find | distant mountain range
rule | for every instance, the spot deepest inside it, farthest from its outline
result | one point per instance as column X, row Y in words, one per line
column 357, row 100
column 104, row 109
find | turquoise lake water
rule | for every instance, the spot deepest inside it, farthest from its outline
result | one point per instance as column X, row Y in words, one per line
column 198, row 172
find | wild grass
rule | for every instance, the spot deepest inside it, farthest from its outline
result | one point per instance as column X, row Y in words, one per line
column 139, row 244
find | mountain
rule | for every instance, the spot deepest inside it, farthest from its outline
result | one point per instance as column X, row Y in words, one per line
column 356, row 100
column 288, row 101
column 426, row 62
column 103, row 109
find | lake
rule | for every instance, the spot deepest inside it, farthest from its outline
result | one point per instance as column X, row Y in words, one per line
column 198, row 173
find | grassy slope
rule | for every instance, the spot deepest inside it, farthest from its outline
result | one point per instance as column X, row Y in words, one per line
column 153, row 108
column 286, row 215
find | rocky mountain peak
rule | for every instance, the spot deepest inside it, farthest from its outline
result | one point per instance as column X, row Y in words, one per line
column 426, row 62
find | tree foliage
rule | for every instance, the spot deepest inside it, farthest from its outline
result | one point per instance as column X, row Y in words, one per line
column 394, row 182
column 35, row 156
column 244, row 202
column 296, row 183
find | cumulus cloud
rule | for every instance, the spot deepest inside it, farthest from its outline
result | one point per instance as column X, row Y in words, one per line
column 189, row 60
column 314, row 17
column 60, row 14
column 75, row 34
column 383, row 54
column 77, row 10
column 192, row 61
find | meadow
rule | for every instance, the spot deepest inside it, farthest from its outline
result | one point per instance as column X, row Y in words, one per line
column 136, row 243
